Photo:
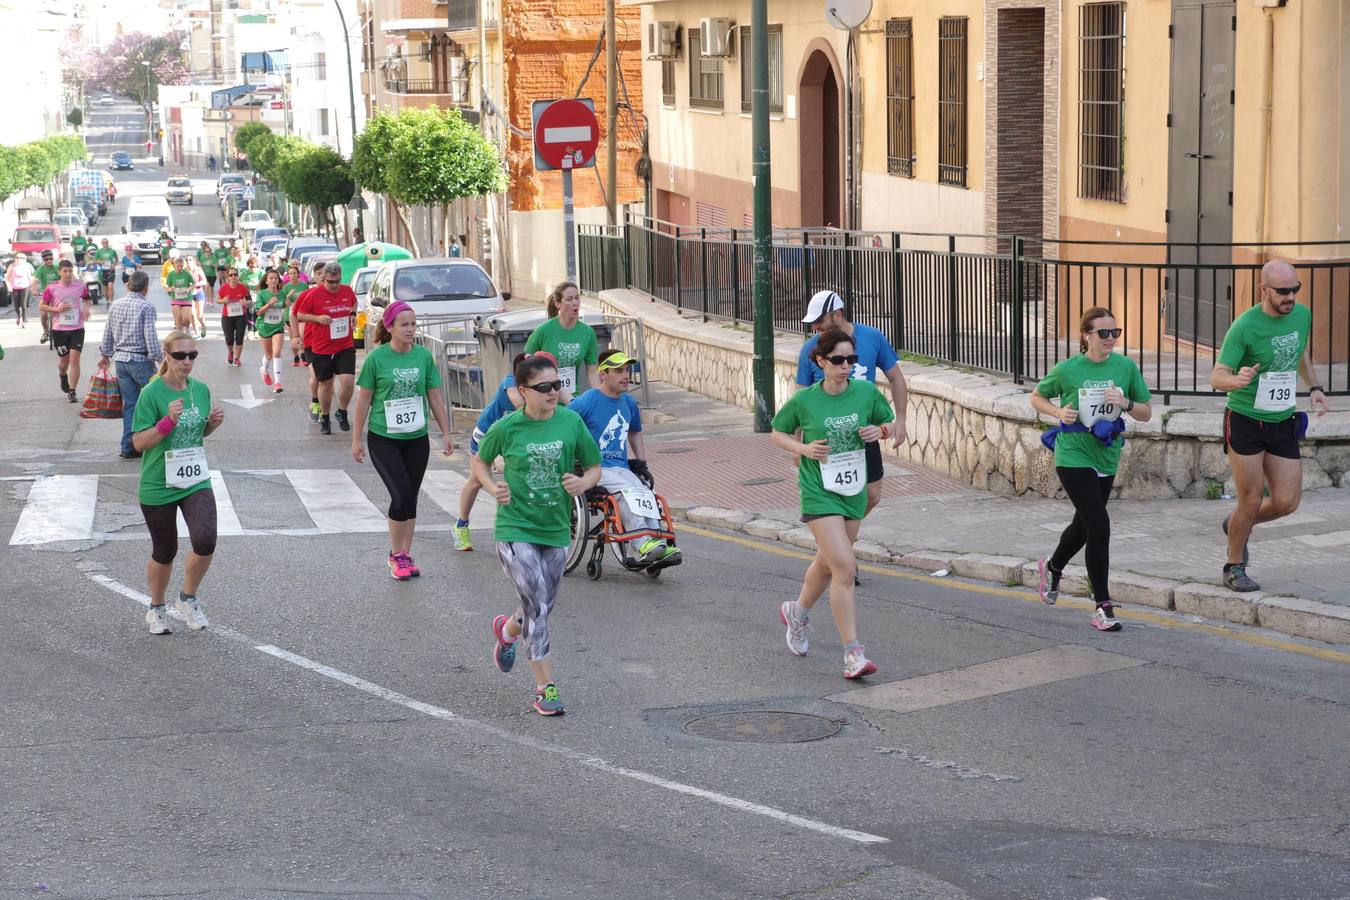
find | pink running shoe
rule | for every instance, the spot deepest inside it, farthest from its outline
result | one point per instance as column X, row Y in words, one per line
column 399, row 566
column 266, row 375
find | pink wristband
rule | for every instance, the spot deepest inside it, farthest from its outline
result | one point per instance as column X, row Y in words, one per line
column 164, row 426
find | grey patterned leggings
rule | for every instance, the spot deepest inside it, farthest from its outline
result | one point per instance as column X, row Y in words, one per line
column 536, row 571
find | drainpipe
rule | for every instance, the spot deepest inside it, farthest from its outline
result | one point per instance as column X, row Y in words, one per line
column 1267, row 113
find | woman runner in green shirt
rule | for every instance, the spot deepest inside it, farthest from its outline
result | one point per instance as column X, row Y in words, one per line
column 172, row 416
column 836, row 417
column 270, row 310
column 571, row 341
column 397, row 384
column 1092, row 388
column 541, row 447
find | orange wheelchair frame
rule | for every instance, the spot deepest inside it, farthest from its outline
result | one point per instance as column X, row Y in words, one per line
column 598, row 523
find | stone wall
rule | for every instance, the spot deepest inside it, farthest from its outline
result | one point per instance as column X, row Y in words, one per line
column 975, row 428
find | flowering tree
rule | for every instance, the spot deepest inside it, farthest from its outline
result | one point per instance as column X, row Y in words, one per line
column 136, row 64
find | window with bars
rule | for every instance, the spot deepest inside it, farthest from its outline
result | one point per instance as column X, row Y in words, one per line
column 900, row 97
column 952, row 130
column 705, row 76
column 775, row 69
column 1101, row 101
column 668, row 82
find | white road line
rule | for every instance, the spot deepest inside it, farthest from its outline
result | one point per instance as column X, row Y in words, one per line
column 334, row 501
column 443, row 487
column 59, row 508
column 576, row 756
column 227, row 522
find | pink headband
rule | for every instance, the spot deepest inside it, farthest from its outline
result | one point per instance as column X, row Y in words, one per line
column 392, row 310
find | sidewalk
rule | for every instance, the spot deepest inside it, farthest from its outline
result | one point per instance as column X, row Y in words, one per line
column 1165, row 553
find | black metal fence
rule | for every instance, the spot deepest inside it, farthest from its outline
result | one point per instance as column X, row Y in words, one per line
column 996, row 303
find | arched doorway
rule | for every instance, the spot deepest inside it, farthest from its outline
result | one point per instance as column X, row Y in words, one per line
column 820, row 128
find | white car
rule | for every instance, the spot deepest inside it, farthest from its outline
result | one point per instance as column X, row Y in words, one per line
column 250, row 220
column 69, row 219
column 434, row 287
column 106, row 101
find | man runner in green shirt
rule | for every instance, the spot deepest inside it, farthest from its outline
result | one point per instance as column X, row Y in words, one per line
column 78, row 244
column 45, row 275
column 1264, row 352
column 106, row 257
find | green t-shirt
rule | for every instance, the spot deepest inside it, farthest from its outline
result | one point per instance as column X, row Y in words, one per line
column 222, row 257
column 79, row 242
column 535, row 455
column 180, row 285
column 207, row 259
column 251, row 279
column 46, row 275
column 290, row 289
column 1080, row 450
column 575, row 346
column 107, row 256
column 836, row 419
column 266, row 328
column 152, row 406
column 1276, row 344
column 391, row 376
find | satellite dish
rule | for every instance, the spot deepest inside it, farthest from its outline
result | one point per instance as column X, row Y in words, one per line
column 847, row 14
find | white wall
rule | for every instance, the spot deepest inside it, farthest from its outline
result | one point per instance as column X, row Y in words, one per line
column 538, row 246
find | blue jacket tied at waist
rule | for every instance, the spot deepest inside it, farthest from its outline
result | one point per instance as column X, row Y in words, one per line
column 1104, row 429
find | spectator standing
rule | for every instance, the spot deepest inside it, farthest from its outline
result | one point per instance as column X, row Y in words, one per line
column 129, row 340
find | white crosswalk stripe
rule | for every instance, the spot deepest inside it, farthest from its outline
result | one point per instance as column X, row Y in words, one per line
column 65, row 507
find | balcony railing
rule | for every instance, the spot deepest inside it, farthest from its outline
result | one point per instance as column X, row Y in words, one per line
column 462, row 15
column 419, row 86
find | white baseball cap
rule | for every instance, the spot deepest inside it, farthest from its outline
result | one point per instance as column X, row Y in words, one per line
column 173, row 253
column 822, row 304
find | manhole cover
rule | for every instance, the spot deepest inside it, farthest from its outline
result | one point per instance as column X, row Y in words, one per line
column 673, row 449
column 751, row 482
column 762, row 727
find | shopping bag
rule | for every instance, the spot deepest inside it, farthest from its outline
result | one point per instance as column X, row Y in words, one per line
column 104, row 400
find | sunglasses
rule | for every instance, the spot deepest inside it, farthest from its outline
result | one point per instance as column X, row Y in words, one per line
column 332, row 281
column 1108, row 332
column 839, row 359
column 181, row 355
column 1287, row 291
column 546, row 387
column 233, row 274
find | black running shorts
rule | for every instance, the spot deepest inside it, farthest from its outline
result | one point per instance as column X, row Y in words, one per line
column 65, row 341
column 1246, row 436
column 326, row 365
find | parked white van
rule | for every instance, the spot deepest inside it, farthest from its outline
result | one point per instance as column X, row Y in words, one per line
column 146, row 218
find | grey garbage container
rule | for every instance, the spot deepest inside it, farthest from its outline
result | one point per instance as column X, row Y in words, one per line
column 502, row 336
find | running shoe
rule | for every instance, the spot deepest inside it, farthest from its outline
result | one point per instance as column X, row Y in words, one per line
column 1235, row 578
column 399, row 564
column 295, row 361
column 158, row 620
column 797, row 639
column 1047, row 582
column 73, row 397
column 341, row 416
column 45, row 337
column 1246, row 553
column 1104, row 618
column 190, row 608
column 505, row 654
column 671, row 556
column 325, row 425
column 856, row 664
column 412, row 566
column 314, row 410
column 276, row 388
column 65, row 384
column 650, row 550
column 238, row 362
column 463, row 540
column 266, row 375
column 547, row 702
column 229, row 361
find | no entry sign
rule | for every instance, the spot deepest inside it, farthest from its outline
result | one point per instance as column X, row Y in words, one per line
column 566, row 134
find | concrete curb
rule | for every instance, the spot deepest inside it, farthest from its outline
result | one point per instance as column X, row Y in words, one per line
column 1293, row 616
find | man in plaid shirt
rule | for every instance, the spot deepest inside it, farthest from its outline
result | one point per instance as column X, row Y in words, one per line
column 130, row 339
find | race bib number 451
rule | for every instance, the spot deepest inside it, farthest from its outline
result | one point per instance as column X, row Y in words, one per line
column 842, row 473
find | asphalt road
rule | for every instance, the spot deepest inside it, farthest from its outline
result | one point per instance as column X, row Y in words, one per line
column 339, row 733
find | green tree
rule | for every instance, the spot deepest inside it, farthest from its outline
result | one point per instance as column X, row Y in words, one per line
column 245, row 134
column 317, row 177
column 38, row 163
column 426, row 156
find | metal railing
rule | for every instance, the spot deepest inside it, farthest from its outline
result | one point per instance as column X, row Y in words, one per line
column 423, row 86
column 453, row 345
column 997, row 303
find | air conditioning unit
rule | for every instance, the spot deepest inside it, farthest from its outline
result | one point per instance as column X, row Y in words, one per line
column 714, row 37
column 663, row 40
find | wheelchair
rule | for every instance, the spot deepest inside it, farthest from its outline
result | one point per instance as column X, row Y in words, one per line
column 597, row 524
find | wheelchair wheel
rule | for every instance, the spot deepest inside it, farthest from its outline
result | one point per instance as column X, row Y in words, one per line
column 652, row 572
column 581, row 529
column 595, row 568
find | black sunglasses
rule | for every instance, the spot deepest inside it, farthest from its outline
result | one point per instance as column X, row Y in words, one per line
column 839, row 360
column 333, row 281
column 181, row 355
column 545, row 387
column 1285, row 292
column 1108, row 332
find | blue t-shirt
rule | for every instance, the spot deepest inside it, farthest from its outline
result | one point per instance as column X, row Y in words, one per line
column 501, row 405
column 609, row 421
column 874, row 354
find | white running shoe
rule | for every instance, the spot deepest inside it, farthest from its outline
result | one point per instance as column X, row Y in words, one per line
column 190, row 608
column 856, row 664
column 797, row 640
column 157, row 617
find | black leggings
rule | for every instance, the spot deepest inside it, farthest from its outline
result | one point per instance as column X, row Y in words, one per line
column 1091, row 526
column 199, row 511
column 401, row 464
column 234, row 327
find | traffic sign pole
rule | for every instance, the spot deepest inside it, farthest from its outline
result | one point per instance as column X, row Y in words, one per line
column 569, row 222
column 565, row 137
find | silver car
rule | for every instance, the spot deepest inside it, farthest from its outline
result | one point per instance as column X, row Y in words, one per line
column 435, row 287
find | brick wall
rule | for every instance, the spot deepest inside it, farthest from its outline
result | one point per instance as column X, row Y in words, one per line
column 547, row 47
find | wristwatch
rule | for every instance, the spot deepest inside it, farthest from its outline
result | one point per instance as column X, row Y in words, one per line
column 1129, row 406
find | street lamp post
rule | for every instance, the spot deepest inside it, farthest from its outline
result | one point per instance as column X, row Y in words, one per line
column 357, row 202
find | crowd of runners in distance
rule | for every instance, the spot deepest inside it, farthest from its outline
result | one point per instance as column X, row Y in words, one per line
column 540, row 441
